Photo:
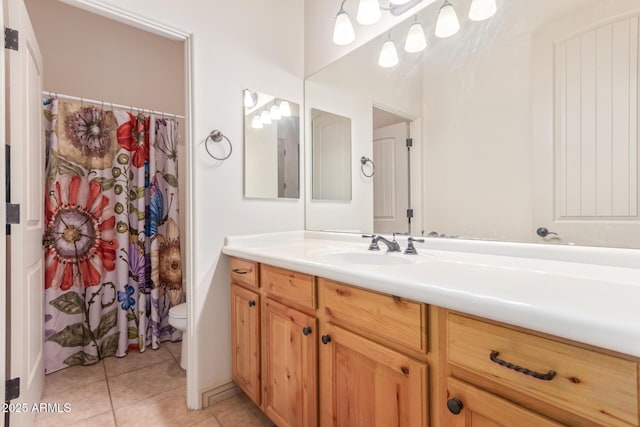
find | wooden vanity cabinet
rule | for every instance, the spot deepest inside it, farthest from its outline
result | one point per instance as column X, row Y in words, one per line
column 245, row 340
column 365, row 384
column 573, row 383
column 290, row 365
column 469, row 406
column 373, row 350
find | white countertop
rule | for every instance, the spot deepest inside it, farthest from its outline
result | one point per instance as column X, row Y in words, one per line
column 591, row 295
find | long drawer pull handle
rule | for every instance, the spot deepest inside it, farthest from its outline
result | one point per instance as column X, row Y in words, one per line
column 545, row 377
column 239, row 271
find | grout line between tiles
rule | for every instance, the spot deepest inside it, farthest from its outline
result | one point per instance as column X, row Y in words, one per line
column 106, row 378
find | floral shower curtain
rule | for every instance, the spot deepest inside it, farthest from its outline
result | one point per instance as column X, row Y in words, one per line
column 112, row 255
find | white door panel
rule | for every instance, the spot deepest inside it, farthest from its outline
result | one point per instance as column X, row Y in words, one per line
column 27, row 186
column 391, row 179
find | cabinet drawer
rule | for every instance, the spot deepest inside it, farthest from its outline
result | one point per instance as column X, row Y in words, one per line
column 593, row 385
column 293, row 287
column 395, row 319
column 244, row 272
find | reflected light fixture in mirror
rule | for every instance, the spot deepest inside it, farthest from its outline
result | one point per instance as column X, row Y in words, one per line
column 265, row 117
column 368, row 12
column 250, row 98
column 388, row 54
column 482, row 9
column 285, row 109
column 416, row 41
column 447, row 23
column 343, row 33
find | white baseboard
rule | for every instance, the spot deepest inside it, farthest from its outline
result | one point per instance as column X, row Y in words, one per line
column 217, row 394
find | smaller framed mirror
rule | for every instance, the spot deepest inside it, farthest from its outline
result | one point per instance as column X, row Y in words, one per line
column 271, row 147
column 331, row 156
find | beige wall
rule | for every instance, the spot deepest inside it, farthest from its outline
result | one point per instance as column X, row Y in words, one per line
column 89, row 56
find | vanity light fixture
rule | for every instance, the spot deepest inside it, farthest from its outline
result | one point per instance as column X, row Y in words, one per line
column 256, row 123
column 482, row 9
column 343, row 30
column 368, row 12
column 285, row 109
column 265, row 117
column 274, row 112
column 250, row 98
column 447, row 23
column 416, row 40
column 388, row 54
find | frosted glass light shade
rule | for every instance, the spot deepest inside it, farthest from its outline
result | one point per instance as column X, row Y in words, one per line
column 388, row 55
column 250, row 99
column 285, row 109
column 274, row 112
column 343, row 30
column 368, row 12
column 416, row 40
column 447, row 24
column 265, row 117
column 256, row 123
column 482, row 9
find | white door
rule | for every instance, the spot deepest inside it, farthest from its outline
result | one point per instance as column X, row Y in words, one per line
column 27, row 187
column 391, row 179
column 3, row 251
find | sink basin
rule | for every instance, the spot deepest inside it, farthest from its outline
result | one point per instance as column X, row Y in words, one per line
column 370, row 258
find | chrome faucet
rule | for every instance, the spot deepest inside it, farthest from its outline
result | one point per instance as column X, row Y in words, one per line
column 392, row 246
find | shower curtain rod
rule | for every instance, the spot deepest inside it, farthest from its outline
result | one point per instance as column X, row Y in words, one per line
column 94, row 101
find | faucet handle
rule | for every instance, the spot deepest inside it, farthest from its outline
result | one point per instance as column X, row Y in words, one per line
column 373, row 246
column 368, row 236
column 411, row 249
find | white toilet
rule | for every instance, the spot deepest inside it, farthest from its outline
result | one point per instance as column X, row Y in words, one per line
column 178, row 319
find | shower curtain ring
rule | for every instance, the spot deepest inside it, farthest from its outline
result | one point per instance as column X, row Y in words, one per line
column 217, row 136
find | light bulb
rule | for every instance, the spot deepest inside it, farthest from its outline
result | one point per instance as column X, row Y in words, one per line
column 265, row 118
column 447, row 24
column 285, row 109
column 415, row 39
column 388, row 55
column 482, row 9
column 274, row 112
column 368, row 12
column 343, row 30
column 256, row 123
column 399, row 2
column 250, row 99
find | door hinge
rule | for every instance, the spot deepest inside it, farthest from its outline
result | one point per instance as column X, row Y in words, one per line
column 11, row 389
column 409, row 142
column 13, row 213
column 10, row 38
column 409, row 213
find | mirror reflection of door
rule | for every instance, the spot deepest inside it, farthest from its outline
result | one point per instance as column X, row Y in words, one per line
column 391, row 192
column 288, row 137
column 331, row 153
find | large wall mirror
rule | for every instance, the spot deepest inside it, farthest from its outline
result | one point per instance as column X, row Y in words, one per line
column 271, row 146
column 527, row 119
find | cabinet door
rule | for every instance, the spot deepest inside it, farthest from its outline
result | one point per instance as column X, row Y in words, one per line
column 290, row 365
column 364, row 384
column 245, row 340
column 468, row 406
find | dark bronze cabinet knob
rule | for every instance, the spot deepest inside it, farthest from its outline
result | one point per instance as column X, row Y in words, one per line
column 454, row 405
column 252, row 303
column 326, row 339
column 306, row 330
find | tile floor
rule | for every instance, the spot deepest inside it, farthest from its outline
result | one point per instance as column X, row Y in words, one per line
column 141, row 389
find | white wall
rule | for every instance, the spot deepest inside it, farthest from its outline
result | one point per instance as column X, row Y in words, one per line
column 320, row 50
column 350, row 88
column 477, row 133
column 235, row 45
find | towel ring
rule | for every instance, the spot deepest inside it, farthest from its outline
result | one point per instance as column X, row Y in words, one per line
column 217, row 136
column 364, row 160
